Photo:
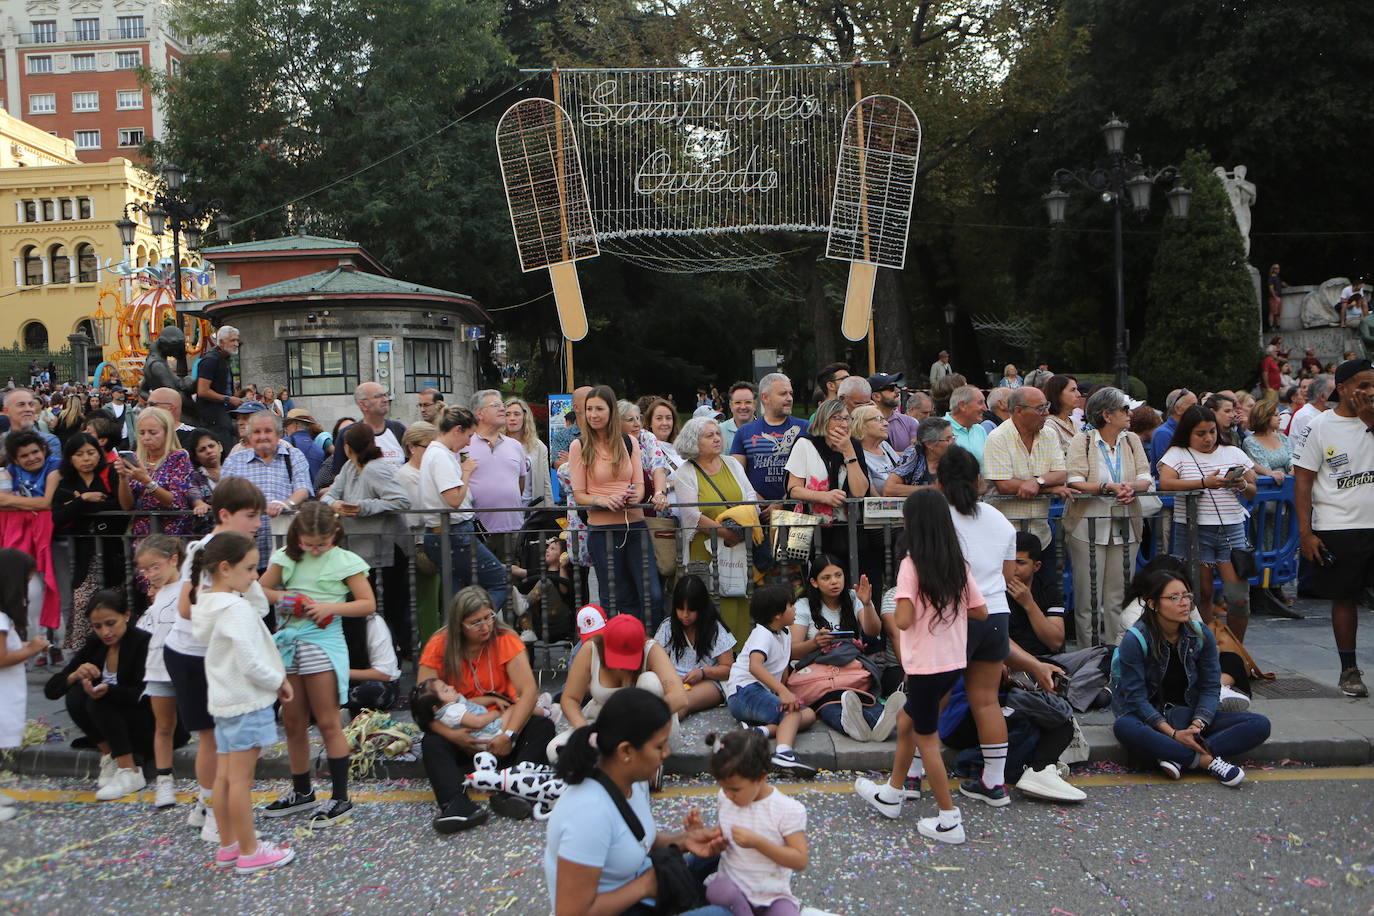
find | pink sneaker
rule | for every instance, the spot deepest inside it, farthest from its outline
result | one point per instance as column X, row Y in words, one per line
column 267, row 856
column 227, row 856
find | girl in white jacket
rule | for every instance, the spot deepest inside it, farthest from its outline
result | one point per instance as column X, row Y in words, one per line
column 244, row 674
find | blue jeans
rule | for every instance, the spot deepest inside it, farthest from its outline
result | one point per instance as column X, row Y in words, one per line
column 622, row 551
column 1228, row 735
column 463, row 542
column 755, row 704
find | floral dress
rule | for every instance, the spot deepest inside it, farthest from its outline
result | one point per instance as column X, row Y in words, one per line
column 186, row 484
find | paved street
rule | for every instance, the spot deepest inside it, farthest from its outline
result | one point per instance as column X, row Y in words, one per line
column 1297, row 840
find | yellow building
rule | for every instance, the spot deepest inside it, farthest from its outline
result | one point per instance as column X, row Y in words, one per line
column 57, row 230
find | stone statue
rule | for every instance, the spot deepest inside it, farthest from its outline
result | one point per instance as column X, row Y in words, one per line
column 158, row 371
column 1367, row 334
column 1242, row 196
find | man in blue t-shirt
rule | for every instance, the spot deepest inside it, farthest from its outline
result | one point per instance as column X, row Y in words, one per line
column 1179, row 400
column 766, row 442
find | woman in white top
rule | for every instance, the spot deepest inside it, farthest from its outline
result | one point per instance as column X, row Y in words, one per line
column 1109, row 463
column 520, row 427
column 826, row 468
column 869, row 426
column 988, row 542
column 700, row 647
column 1225, row 474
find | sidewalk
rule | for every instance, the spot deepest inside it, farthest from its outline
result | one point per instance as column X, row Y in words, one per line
column 1312, row 722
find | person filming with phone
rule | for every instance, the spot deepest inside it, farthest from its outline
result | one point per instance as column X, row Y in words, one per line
column 1225, row 474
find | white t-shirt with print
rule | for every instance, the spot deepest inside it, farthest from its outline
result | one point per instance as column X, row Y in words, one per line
column 777, row 652
column 1340, row 451
column 1215, row 507
column 806, row 619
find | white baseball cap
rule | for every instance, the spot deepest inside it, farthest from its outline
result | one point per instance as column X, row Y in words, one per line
column 591, row 619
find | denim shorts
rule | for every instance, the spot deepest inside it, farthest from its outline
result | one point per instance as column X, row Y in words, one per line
column 1214, row 542
column 755, row 704
column 159, row 689
column 243, row 733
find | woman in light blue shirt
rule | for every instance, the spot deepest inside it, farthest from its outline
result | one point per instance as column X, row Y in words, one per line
column 593, row 862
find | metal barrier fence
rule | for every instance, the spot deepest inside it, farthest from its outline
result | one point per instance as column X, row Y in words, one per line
column 457, row 552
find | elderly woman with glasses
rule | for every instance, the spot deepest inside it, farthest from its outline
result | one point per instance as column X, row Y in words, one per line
column 921, row 461
column 1107, row 462
column 826, row 467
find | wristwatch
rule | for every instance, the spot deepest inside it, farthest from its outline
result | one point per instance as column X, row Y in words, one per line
column 1040, row 481
column 510, row 733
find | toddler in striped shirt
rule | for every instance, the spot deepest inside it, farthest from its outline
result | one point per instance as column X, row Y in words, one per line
column 766, row 830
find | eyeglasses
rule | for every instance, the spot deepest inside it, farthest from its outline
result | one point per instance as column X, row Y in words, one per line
column 479, row 622
column 841, row 418
column 1041, row 409
column 1185, row 598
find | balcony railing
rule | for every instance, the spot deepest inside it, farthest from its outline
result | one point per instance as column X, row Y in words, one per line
column 84, row 35
column 38, row 38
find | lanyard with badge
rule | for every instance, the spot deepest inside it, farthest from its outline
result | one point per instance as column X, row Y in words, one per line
column 1113, row 466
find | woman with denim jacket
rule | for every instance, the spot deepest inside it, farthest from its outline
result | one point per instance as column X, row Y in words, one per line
column 1167, row 685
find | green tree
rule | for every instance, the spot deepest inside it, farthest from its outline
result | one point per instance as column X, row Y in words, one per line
column 1202, row 329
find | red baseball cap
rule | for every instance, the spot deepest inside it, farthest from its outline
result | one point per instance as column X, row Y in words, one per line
column 623, row 640
column 591, row 619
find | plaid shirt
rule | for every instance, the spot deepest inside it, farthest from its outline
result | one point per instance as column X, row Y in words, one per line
column 276, row 482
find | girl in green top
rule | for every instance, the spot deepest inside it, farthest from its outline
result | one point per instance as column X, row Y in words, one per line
column 314, row 583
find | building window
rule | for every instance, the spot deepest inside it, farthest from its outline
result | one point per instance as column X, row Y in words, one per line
column 87, row 139
column 83, row 208
column 43, row 103
column 85, row 101
column 129, row 98
column 87, row 29
column 174, row 66
column 61, row 267
column 83, row 63
column 35, row 336
column 39, row 63
column 33, row 266
column 49, row 211
column 428, row 365
column 44, row 32
column 131, row 136
column 30, row 211
column 86, row 266
column 130, row 26
column 322, row 366
column 67, row 211
column 128, row 60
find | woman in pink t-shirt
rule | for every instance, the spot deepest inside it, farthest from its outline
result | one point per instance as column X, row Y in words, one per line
column 606, row 478
column 936, row 596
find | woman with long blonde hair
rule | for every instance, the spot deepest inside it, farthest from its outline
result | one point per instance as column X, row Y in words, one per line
column 520, row 426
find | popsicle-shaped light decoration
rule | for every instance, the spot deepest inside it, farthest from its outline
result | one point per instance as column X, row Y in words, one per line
column 550, row 212
column 870, row 214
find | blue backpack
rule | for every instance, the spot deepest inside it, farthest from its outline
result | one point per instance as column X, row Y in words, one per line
column 1144, row 647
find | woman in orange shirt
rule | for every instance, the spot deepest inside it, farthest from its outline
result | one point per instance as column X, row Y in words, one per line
column 606, row 478
column 485, row 661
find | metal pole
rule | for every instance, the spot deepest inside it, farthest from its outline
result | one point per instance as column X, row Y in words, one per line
column 1121, row 368
column 176, row 260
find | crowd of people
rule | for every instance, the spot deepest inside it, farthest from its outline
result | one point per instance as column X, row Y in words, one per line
column 722, row 561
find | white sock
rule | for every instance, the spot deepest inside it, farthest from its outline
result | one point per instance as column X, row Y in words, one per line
column 917, row 768
column 762, row 730
column 994, row 764
column 949, row 818
column 784, row 748
column 205, row 796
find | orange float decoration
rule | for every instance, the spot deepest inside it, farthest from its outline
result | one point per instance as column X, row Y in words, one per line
column 134, row 308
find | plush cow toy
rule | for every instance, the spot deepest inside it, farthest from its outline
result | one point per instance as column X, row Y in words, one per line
column 532, row 781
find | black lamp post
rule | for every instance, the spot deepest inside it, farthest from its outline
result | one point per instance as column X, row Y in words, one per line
column 1125, row 182
column 170, row 209
column 950, row 315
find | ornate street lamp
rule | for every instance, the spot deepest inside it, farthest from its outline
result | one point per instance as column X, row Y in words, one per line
column 1126, row 182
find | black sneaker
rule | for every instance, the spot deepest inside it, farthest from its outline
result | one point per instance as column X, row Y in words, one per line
column 461, row 814
column 788, row 762
column 329, row 813
column 291, row 803
column 996, row 796
column 511, row 806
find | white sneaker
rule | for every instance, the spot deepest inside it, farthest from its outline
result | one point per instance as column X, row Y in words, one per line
column 8, row 813
column 209, row 830
column 196, row 816
column 1232, row 700
column 852, row 717
column 882, row 729
column 166, row 795
column 869, row 791
column 108, row 770
column 125, row 782
column 931, row 828
column 1045, row 783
